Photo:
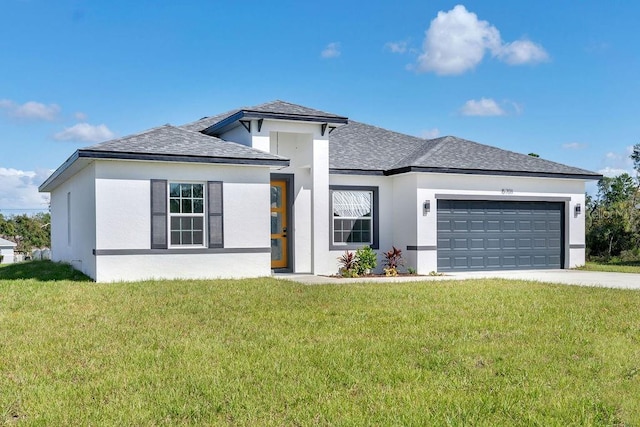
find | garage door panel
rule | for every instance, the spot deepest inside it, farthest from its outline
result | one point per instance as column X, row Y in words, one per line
column 460, row 225
column 524, row 261
column 525, row 244
column 478, row 235
column 509, row 243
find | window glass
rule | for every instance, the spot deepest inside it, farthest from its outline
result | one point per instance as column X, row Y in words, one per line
column 352, row 217
column 186, row 208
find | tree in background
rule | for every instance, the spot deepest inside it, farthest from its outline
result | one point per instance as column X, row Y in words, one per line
column 613, row 216
column 28, row 231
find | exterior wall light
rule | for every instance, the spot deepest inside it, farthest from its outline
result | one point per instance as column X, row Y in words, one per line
column 578, row 209
column 426, row 207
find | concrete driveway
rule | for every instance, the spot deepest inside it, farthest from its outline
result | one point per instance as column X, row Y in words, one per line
column 567, row 277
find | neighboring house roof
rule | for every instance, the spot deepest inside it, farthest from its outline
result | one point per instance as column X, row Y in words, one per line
column 4, row 243
column 171, row 144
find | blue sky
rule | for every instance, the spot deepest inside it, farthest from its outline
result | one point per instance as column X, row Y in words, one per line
column 556, row 78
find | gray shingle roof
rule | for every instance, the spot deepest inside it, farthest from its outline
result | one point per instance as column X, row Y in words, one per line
column 353, row 147
column 173, row 141
column 205, row 122
column 361, row 147
column 450, row 152
column 287, row 108
column 277, row 107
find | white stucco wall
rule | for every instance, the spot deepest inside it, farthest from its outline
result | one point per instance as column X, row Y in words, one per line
column 73, row 233
column 403, row 222
column 517, row 188
column 123, row 221
column 308, row 151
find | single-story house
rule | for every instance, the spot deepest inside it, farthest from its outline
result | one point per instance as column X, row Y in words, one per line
column 283, row 187
column 6, row 251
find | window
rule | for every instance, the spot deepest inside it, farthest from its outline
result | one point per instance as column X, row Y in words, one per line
column 69, row 219
column 186, row 211
column 179, row 214
column 354, row 221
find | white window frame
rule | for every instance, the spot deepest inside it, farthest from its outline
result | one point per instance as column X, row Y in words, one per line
column 373, row 219
column 202, row 215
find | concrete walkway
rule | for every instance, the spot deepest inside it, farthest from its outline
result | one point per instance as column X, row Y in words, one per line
column 567, row 277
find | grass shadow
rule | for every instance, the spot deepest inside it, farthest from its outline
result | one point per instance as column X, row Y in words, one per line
column 42, row 271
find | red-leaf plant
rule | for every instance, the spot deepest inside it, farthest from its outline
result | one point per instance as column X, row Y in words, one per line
column 393, row 260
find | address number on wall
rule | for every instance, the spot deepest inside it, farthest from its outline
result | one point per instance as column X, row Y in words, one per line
column 507, row 191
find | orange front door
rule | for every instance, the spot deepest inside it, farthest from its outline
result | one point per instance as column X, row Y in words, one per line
column 279, row 246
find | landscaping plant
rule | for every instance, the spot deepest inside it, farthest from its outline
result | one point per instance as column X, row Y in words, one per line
column 366, row 259
column 392, row 260
column 348, row 264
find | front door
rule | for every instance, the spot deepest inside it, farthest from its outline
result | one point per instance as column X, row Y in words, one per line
column 279, row 242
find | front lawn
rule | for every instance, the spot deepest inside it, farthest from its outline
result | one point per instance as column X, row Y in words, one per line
column 612, row 266
column 269, row 352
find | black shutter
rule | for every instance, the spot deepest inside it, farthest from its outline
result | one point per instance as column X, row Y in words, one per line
column 159, row 214
column 214, row 195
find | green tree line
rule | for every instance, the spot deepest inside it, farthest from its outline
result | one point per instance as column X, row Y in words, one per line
column 613, row 216
column 28, row 231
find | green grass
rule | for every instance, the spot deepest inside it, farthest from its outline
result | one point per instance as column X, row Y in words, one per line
column 616, row 267
column 269, row 352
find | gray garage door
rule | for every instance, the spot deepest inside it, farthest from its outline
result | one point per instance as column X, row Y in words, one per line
column 499, row 235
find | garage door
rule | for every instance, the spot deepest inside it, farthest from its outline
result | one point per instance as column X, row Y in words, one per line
column 499, row 235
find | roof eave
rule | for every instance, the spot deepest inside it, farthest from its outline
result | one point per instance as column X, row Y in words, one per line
column 85, row 156
column 118, row 155
column 52, row 182
column 532, row 174
column 339, row 171
column 219, row 127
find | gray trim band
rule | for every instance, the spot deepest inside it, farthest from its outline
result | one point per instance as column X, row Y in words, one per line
column 577, row 246
column 502, row 198
column 101, row 252
column 422, row 248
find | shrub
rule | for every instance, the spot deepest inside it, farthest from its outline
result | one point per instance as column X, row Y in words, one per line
column 366, row 259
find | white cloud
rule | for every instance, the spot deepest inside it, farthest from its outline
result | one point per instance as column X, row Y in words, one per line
column 19, row 190
column 31, row 110
column 456, row 41
column 522, row 52
column 574, row 146
column 85, row 132
column 616, row 163
column 80, row 116
column 396, row 47
column 612, row 172
column 430, row 133
column 331, row 51
column 482, row 107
